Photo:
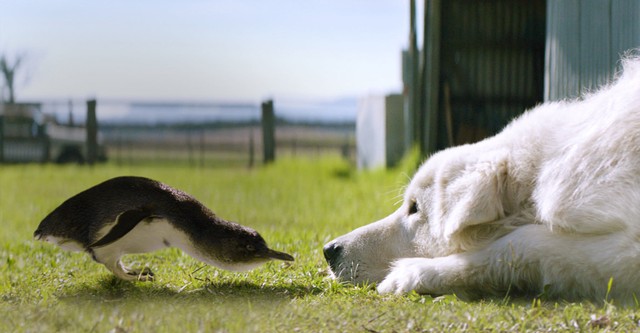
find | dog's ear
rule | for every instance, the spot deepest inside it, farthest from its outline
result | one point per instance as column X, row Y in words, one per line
column 476, row 196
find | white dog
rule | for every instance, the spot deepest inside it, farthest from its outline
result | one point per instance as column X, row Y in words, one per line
column 549, row 205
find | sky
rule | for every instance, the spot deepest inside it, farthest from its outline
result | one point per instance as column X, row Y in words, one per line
column 230, row 50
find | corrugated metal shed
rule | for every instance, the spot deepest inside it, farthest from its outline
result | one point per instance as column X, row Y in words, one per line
column 585, row 41
column 487, row 61
column 489, row 68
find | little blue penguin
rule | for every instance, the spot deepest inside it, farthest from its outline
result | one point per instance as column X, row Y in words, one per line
column 137, row 215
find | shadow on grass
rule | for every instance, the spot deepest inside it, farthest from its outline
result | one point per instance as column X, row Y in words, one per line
column 343, row 173
column 112, row 289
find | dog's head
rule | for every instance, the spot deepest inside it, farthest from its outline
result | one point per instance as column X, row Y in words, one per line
column 447, row 208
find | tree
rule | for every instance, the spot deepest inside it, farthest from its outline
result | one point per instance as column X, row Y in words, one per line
column 8, row 69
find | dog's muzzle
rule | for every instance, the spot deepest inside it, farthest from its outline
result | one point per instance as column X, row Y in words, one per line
column 332, row 253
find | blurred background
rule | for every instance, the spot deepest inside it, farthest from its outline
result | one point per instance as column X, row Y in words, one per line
column 184, row 81
column 238, row 83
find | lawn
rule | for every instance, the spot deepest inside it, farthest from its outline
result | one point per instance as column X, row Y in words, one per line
column 297, row 205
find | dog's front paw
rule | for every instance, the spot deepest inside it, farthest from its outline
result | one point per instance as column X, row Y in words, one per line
column 406, row 275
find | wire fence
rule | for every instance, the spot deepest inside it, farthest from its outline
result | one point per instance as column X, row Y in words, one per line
column 221, row 146
column 208, row 134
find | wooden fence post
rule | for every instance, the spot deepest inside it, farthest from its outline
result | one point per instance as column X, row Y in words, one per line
column 92, row 132
column 202, row 147
column 1, row 136
column 251, row 147
column 268, row 132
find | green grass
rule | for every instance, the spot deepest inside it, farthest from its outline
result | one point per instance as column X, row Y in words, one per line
column 297, row 205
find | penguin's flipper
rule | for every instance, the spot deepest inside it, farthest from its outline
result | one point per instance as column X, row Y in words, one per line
column 125, row 222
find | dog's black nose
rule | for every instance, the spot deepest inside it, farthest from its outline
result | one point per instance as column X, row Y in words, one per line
column 332, row 251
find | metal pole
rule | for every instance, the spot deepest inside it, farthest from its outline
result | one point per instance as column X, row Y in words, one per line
column 429, row 142
column 414, row 78
column 424, row 85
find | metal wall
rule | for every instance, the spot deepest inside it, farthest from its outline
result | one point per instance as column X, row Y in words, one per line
column 491, row 66
column 585, row 41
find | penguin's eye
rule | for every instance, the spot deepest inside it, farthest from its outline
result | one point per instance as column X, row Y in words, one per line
column 413, row 207
column 250, row 248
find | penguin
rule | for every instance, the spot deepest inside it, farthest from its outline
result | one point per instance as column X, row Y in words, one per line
column 132, row 214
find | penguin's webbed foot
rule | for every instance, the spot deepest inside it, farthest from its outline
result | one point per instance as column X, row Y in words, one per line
column 128, row 274
column 141, row 275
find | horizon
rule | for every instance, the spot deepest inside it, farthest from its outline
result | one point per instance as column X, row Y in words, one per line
column 137, row 111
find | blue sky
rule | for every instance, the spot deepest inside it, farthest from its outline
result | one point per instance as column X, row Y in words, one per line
column 245, row 50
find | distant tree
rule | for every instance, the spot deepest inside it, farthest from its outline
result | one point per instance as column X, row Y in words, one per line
column 8, row 69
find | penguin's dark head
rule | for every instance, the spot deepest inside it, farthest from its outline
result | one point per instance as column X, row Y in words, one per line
column 241, row 248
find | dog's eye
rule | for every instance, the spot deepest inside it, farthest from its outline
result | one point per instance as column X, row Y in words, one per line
column 413, row 207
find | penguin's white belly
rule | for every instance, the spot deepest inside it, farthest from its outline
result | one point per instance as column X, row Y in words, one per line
column 147, row 236
column 151, row 235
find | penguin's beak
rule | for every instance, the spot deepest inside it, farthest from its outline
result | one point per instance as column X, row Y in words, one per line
column 278, row 255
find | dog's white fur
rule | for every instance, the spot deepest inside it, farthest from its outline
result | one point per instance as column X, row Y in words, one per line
column 551, row 204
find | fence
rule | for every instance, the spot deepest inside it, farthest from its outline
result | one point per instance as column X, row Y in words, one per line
column 205, row 134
